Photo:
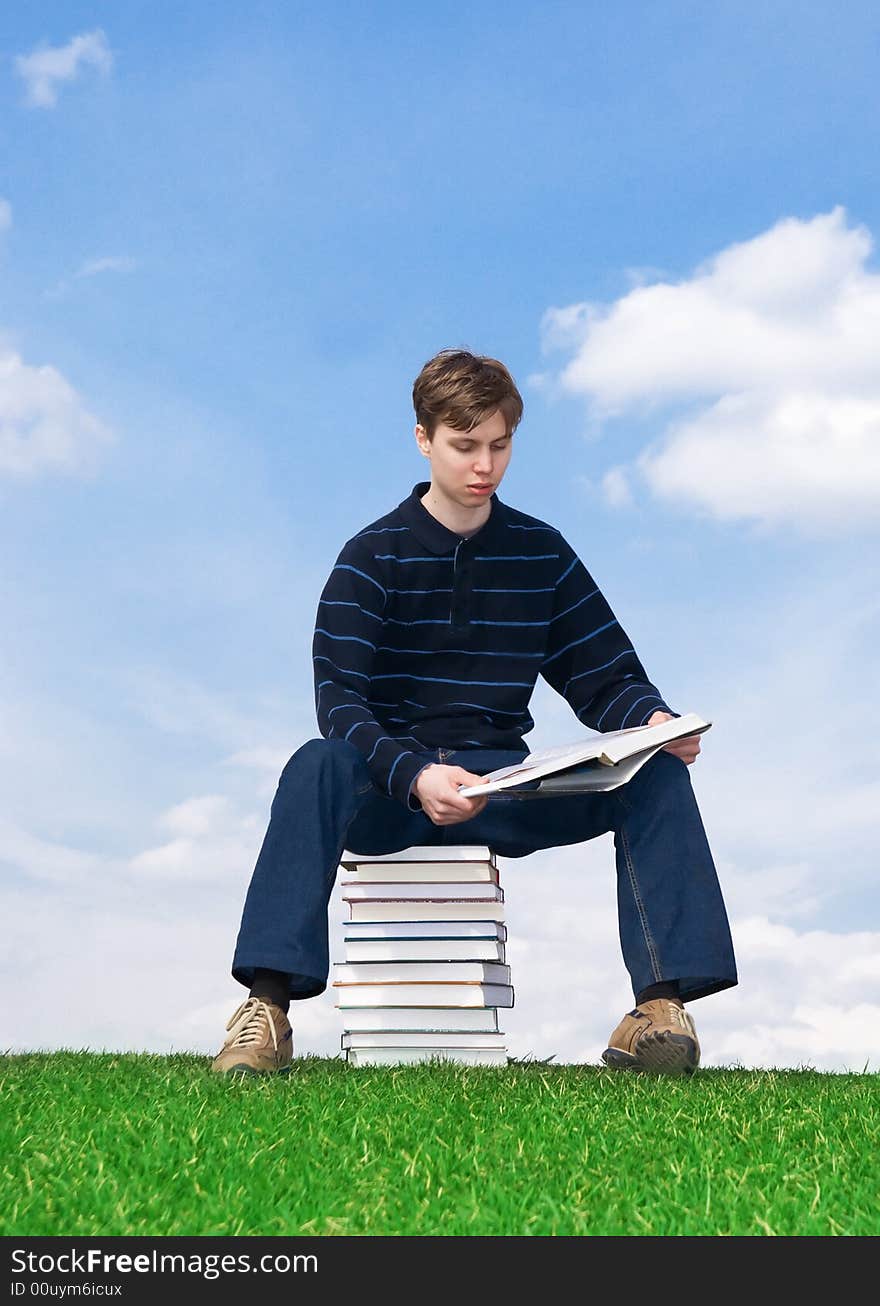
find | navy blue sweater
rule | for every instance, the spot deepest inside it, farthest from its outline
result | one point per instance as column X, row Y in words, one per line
column 425, row 640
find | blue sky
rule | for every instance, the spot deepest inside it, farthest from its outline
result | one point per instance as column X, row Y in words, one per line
column 229, row 238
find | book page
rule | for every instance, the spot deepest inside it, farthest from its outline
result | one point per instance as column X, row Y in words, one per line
column 610, row 749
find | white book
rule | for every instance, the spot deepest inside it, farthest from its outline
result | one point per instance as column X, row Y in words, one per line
column 474, row 910
column 353, row 891
column 424, row 950
column 424, row 863
column 421, row 853
column 603, row 762
column 423, row 995
column 419, row 1019
column 405, row 1056
column 421, row 972
column 436, row 872
column 396, row 1038
column 444, row 929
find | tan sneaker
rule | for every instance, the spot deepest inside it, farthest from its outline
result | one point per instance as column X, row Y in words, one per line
column 260, row 1041
column 658, row 1035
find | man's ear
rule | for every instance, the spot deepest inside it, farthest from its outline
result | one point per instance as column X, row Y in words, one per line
column 422, row 441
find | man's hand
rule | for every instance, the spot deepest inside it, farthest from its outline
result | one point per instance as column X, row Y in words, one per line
column 437, row 790
column 686, row 748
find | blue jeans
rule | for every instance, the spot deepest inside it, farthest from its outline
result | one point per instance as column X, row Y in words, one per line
column 671, row 915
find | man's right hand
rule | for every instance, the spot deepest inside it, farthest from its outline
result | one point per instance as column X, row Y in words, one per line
column 437, row 790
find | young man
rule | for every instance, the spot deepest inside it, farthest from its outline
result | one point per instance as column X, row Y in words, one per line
column 431, row 632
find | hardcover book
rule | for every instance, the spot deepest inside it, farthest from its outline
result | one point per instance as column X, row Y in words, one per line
column 357, row 950
column 596, row 764
column 434, row 864
column 353, row 891
column 423, row 929
column 423, row 995
column 400, row 1056
column 417, row 1019
column 397, row 1038
column 420, row 972
column 474, row 910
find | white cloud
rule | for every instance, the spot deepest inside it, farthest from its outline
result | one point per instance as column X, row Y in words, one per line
column 44, row 424
column 778, row 335
column 210, row 842
column 93, row 267
column 44, row 859
column 47, row 68
column 616, row 488
column 805, row 457
column 5, row 215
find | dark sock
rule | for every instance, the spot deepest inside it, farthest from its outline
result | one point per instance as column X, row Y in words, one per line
column 665, row 989
column 272, row 986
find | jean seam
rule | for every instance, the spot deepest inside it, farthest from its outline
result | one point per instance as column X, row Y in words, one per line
column 640, row 908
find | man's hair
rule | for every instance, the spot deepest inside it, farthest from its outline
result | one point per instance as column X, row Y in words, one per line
column 461, row 390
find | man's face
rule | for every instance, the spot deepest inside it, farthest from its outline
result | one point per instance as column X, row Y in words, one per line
column 468, row 466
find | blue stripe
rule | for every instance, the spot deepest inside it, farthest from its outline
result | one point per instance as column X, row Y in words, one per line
column 574, row 605
column 343, row 566
column 466, row 652
column 635, row 704
column 441, row 680
column 510, row 623
column 408, row 753
column 550, row 590
column 319, row 630
column 592, row 671
column 428, row 621
column 625, row 690
column 383, row 739
column 345, row 671
column 484, row 708
column 576, row 642
column 570, row 567
column 384, row 530
column 343, row 707
column 514, row 527
column 392, row 557
column 339, row 603
column 355, row 726
column 514, row 557
column 430, row 591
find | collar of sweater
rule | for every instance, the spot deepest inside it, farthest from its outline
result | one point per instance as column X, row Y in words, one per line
column 438, row 538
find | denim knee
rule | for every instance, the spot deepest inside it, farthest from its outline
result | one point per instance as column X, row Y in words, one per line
column 662, row 775
column 325, row 759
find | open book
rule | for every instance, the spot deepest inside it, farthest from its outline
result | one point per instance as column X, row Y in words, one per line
column 595, row 764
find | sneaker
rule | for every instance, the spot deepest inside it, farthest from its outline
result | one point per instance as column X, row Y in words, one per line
column 260, row 1041
column 658, row 1035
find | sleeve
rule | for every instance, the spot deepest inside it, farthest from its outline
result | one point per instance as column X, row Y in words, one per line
column 589, row 659
column 347, row 629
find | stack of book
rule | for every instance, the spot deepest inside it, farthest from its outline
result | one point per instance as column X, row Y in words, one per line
column 425, row 972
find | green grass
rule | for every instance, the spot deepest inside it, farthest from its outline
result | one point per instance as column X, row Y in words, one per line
column 139, row 1144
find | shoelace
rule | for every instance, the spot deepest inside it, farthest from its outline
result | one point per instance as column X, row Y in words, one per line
column 248, row 1025
column 679, row 1014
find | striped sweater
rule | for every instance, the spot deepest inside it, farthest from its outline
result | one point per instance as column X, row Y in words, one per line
column 425, row 640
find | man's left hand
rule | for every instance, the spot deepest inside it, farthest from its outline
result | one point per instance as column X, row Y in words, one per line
column 685, row 748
